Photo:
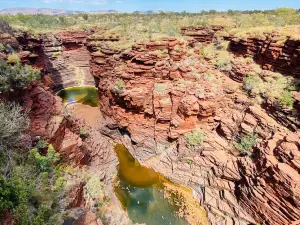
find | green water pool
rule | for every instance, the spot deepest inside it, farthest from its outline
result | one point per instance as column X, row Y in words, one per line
column 141, row 192
column 86, row 95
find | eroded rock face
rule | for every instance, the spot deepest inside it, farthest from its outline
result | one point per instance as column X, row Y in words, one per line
column 158, row 92
column 48, row 122
column 271, row 53
column 201, row 34
column 68, row 59
column 268, row 181
column 88, row 218
column 272, row 180
column 154, row 91
column 63, row 56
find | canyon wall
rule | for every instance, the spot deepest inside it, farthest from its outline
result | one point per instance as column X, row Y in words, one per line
column 272, row 53
column 159, row 91
column 63, row 56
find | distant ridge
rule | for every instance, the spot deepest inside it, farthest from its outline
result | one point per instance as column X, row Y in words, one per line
column 150, row 12
column 45, row 11
column 103, row 11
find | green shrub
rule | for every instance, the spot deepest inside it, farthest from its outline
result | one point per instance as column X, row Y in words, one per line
column 224, row 45
column 246, row 143
column 120, row 85
column 13, row 121
column 16, row 77
column 45, row 162
column 59, row 184
column 224, row 65
column 208, row 51
column 42, row 144
column 13, row 58
column 249, row 60
column 29, row 194
column 194, row 138
column 190, row 162
column 37, row 203
column 83, row 134
column 10, row 194
column 2, row 48
column 223, row 60
column 85, row 16
column 30, row 188
column 251, row 84
column 56, row 54
column 208, row 76
column 94, row 187
column 286, row 99
column 104, row 202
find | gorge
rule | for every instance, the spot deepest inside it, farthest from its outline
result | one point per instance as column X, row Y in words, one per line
column 178, row 113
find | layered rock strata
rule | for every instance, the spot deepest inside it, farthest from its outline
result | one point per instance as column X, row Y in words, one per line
column 157, row 92
column 201, row 34
column 271, row 53
column 63, row 56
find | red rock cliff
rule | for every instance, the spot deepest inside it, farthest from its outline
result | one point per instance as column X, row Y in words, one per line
column 271, row 53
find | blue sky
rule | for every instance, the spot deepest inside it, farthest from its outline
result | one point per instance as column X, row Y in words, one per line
column 169, row 5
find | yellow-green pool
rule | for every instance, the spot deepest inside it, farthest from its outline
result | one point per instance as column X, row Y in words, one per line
column 141, row 192
column 87, row 95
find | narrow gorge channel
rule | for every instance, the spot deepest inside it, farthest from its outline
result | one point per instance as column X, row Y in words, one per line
column 147, row 196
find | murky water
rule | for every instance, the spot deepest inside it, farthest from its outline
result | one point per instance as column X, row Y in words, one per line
column 141, row 192
column 86, row 95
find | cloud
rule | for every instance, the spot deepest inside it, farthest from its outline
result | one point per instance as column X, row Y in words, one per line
column 90, row 2
column 119, row 2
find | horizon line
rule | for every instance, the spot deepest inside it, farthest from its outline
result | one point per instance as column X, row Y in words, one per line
column 186, row 11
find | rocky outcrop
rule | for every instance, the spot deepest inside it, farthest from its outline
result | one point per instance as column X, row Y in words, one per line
column 48, row 122
column 202, row 34
column 68, row 63
column 156, row 84
column 271, row 53
column 288, row 117
column 272, row 180
column 63, row 56
column 88, row 218
column 157, row 92
column 268, row 180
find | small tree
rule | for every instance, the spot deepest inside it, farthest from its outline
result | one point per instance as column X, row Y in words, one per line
column 16, row 77
column 12, row 194
column 4, row 27
column 13, row 121
column 44, row 162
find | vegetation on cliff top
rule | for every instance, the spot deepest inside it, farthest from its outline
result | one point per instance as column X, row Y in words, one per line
column 16, row 77
column 265, row 85
column 165, row 24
